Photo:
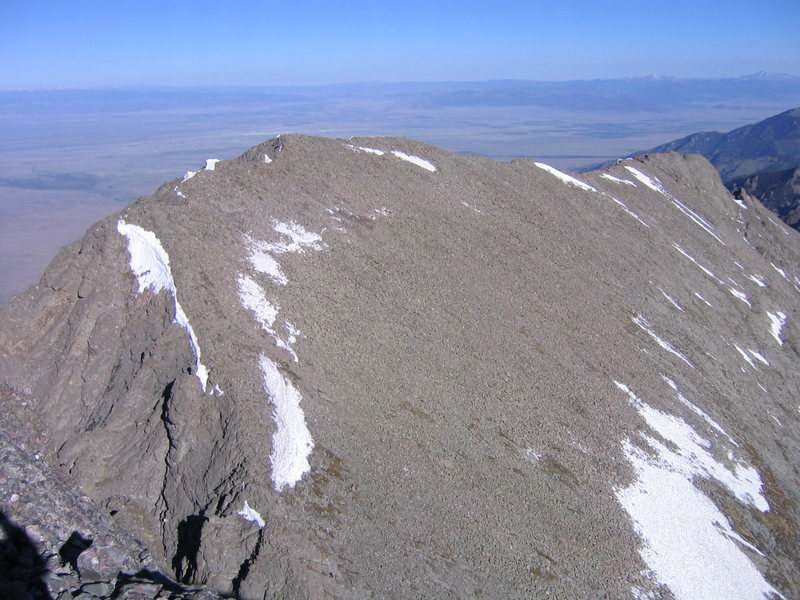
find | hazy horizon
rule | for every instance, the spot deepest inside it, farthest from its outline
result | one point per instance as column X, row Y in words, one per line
column 101, row 102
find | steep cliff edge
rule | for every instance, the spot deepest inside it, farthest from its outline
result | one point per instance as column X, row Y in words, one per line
column 374, row 368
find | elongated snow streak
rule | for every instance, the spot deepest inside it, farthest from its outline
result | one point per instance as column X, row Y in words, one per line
column 291, row 442
column 645, row 326
column 655, row 184
column 626, row 209
column 189, row 175
column 697, row 410
column 758, row 356
column 777, row 321
column 697, row 264
column 746, row 357
column 687, row 542
column 703, row 299
column 705, row 225
column 779, row 270
column 374, row 151
column 150, row 264
column 569, row 179
column 774, row 222
column 670, row 299
column 416, row 160
column 758, row 279
column 253, row 298
column 610, row 177
column 740, row 295
column 248, row 514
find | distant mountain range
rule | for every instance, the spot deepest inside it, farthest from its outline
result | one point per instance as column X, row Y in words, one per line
column 762, row 158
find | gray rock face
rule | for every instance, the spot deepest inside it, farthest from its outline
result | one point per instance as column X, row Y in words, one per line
column 54, row 541
column 374, row 368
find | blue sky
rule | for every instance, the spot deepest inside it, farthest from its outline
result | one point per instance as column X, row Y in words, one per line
column 140, row 42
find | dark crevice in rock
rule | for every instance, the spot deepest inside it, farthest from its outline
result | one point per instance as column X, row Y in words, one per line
column 244, row 569
column 165, row 420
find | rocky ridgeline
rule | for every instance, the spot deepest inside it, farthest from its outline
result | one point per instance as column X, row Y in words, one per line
column 374, row 368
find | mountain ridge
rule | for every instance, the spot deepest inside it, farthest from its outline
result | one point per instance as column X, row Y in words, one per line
column 468, row 343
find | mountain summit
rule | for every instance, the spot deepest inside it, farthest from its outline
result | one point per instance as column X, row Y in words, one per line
column 374, row 368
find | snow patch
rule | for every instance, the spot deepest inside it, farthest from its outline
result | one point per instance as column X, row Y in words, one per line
column 253, row 298
column 653, row 183
column 569, row 179
column 374, row 151
column 291, row 442
column 477, row 210
column 758, row 356
column 211, row 164
column 670, row 299
column 645, row 326
column 267, row 159
column 688, row 543
column 263, row 262
column 745, row 356
column 416, row 160
column 739, row 201
column 697, row 264
column 705, row 225
column 248, row 514
column 697, row 410
column 297, row 239
column 703, row 299
column 617, row 179
column 626, row 209
column 740, row 295
column 779, row 270
column 758, row 279
column 189, row 175
column 777, row 321
column 150, row 264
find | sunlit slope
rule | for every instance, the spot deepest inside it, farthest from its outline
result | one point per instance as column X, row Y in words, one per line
column 374, row 368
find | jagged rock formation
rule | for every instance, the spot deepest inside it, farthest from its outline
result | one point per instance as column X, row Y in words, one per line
column 779, row 191
column 375, row 368
column 54, row 541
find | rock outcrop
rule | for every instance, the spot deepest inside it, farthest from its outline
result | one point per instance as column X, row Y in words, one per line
column 374, row 368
